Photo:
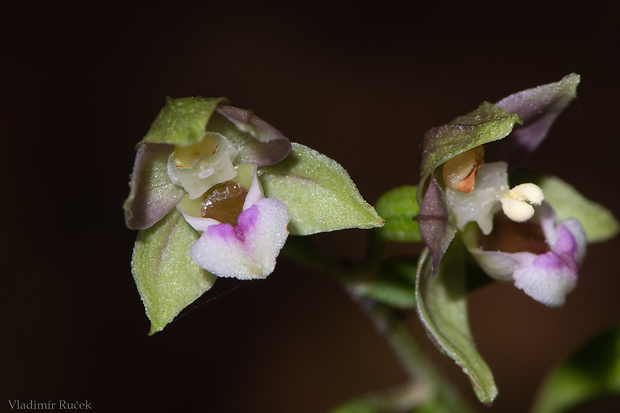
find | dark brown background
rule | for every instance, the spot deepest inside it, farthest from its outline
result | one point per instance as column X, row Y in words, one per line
column 361, row 84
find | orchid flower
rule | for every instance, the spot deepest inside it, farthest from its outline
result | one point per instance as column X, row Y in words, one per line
column 196, row 169
column 515, row 241
column 511, row 233
column 215, row 192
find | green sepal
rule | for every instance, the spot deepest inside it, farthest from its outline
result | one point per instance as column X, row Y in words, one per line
column 592, row 372
column 182, row 121
column 442, row 307
column 318, row 192
column 398, row 207
column 597, row 221
column 394, row 284
column 485, row 124
column 167, row 278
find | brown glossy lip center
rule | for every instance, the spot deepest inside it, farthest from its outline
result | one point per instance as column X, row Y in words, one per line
column 224, row 202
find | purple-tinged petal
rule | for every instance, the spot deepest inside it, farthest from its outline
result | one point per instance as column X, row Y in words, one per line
column 538, row 108
column 249, row 249
column 436, row 228
column 151, row 195
column 265, row 146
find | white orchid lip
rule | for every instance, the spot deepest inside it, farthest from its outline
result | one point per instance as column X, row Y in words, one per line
column 243, row 242
column 546, row 269
column 200, row 166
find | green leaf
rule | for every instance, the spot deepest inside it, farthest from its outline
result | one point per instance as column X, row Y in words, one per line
column 167, row 278
column 442, row 307
column 592, row 372
column 182, row 121
column 394, row 283
column 398, row 207
column 597, row 221
column 318, row 192
column 485, row 124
